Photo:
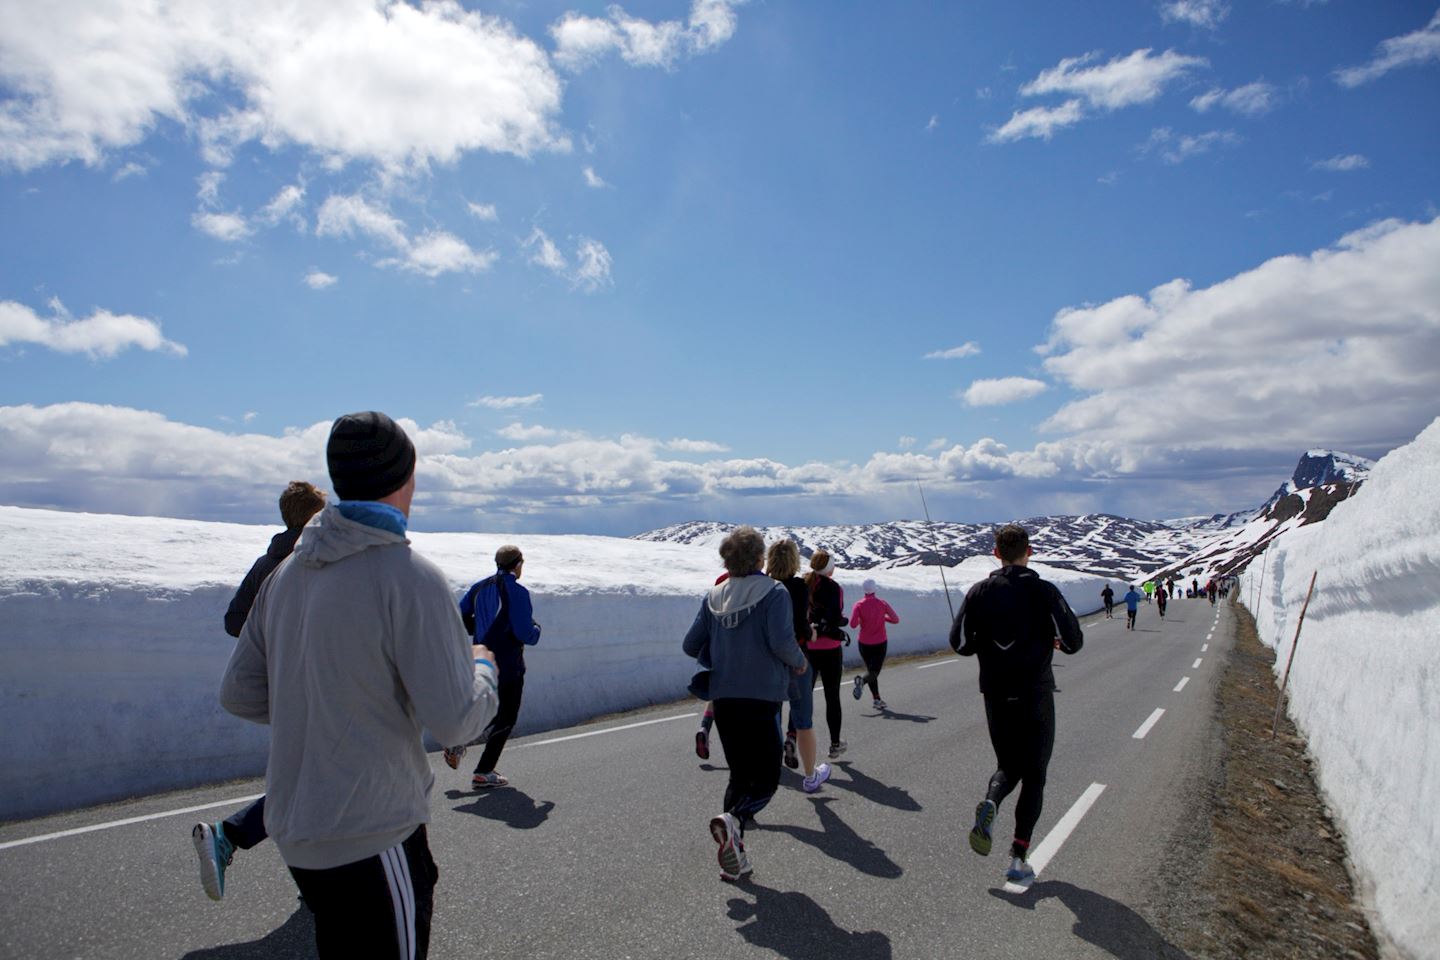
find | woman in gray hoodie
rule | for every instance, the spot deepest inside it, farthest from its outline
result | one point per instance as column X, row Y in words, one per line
column 745, row 632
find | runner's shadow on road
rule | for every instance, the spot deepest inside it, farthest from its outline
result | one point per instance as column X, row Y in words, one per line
column 514, row 808
column 711, row 768
column 1099, row 920
column 888, row 714
column 795, row 926
column 873, row 790
column 294, row 938
column 837, row 839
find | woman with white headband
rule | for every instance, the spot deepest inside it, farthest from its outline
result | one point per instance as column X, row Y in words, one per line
column 827, row 614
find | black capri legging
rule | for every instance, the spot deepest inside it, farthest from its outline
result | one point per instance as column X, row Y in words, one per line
column 828, row 665
column 874, row 656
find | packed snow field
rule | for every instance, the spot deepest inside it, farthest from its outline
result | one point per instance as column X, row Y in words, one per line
column 1365, row 685
column 112, row 645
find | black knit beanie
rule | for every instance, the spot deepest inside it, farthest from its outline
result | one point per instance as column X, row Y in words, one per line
column 369, row 456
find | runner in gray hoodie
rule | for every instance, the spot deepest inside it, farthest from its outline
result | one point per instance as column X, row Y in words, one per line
column 353, row 645
column 745, row 631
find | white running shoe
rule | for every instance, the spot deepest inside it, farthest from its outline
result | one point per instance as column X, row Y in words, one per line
column 1019, row 872
column 725, row 830
column 813, row 782
column 838, row 747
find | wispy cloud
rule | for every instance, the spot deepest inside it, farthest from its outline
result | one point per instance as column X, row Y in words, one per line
column 227, row 227
column 1176, row 148
column 319, row 280
column 284, row 205
column 1038, row 122
column 129, row 170
column 934, row 123
column 968, row 349
column 1409, row 50
column 430, row 254
column 1001, row 391
column 1197, row 13
column 594, row 180
column 906, row 442
column 483, row 211
column 1126, row 81
column 102, row 335
column 1252, row 100
column 1342, row 163
column 507, row 403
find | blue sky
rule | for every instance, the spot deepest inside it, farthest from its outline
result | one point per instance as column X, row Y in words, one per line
column 617, row 267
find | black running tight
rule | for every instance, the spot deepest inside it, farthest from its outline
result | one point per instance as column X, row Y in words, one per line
column 874, row 656
column 828, row 665
column 1022, row 731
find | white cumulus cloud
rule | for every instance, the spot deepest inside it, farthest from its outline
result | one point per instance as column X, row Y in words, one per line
column 581, row 41
column 229, row 227
column 1002, row 390
column 430, row 254
column 1038, row 122
column 1126, row 81
column 378, row 81
column 101, row 335
column 319, row 280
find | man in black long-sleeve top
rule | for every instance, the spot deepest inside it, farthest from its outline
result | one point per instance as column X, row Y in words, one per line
column 1014, row 622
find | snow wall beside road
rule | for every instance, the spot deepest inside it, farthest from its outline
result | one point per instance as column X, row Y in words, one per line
column 1365, row 685
column 112, row 647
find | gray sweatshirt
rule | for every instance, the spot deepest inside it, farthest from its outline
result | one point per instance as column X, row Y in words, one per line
column 354, row 644
column 745, row 631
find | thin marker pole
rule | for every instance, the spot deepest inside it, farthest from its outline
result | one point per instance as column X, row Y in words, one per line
column 942, row 566
column 1280, row 700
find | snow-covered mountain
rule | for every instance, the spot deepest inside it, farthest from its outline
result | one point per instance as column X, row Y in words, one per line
column 1322, row 479
column 1095, row 543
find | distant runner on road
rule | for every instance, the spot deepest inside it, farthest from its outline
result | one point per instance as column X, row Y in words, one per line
column 1014, row 621
column 1108, row 596
column 1132, row 607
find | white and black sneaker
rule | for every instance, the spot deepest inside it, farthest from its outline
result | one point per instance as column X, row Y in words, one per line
column 837, row 747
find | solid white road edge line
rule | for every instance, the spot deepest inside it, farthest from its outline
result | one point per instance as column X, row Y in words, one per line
column 938, row 663
column 1181, row 685
column 596, row 733
column 1145, row 727
column 129, row 820
column 1050, row 846
column 1196, row 664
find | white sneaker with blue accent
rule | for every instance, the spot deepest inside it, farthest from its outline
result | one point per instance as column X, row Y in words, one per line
column 215, row 852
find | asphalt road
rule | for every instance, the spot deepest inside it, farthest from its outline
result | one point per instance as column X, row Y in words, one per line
column 600, row 848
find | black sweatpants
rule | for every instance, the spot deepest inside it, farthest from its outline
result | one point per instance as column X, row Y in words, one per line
column 750, row 733
column 874, row 656
column 497, row 734
column 1022, row 731
column 376, row 907
column 246, row 826
column 829, row 664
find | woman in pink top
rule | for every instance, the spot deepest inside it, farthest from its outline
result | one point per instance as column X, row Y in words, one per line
column 871, row 614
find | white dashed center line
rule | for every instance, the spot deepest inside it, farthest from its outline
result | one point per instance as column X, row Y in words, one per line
column 1145, row 727
column 1181, row 685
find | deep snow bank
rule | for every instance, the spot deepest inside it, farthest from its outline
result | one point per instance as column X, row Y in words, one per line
column 1365, row 686
column 112, row 647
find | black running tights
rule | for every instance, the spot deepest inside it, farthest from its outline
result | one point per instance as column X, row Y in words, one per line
column 1022, row 731
column 874, row 656
column 828, row 665
column 750, row 734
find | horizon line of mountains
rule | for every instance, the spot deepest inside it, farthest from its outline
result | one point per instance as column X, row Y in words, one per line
column 1102, row 544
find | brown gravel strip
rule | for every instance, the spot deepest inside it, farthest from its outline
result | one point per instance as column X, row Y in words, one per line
column 1264, row 875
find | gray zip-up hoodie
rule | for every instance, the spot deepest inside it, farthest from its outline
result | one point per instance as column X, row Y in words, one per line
column 354, row 644
column 745, row 630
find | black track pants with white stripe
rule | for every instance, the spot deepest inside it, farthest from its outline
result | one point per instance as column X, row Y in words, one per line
column 376, row 907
